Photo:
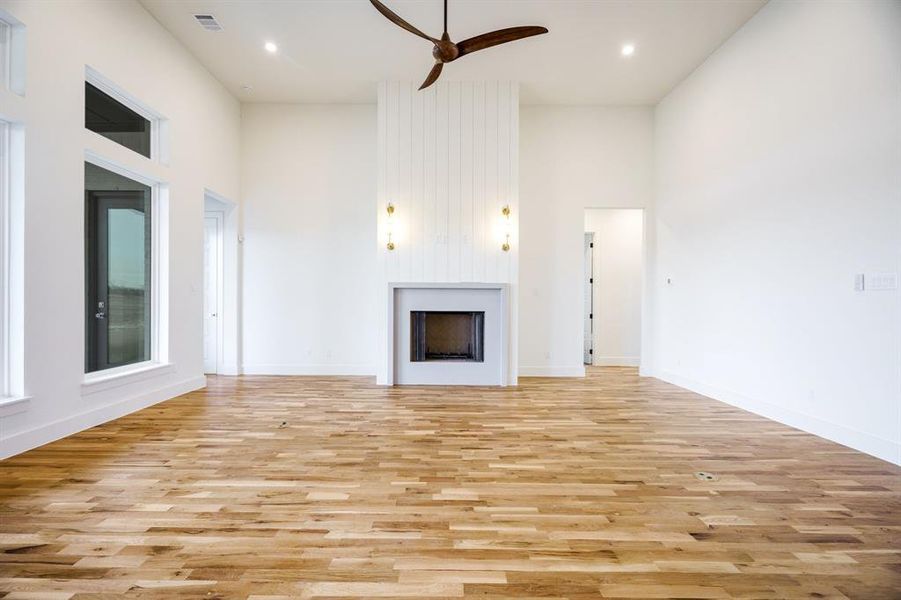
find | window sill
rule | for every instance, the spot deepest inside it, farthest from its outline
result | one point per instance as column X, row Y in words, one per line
column 113, row 378
column 13, row 405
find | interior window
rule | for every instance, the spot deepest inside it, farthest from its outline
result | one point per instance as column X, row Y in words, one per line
column 110, row 118
column 118, row 250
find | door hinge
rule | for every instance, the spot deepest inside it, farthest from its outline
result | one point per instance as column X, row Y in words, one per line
column 590, row 315
column 591, row 244
column 591, row 280
column 591, row 351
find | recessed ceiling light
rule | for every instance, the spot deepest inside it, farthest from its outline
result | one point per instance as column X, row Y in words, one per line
column 270, row 47
column 628, row 49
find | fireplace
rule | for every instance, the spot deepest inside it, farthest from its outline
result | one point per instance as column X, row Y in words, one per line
column 447, row 335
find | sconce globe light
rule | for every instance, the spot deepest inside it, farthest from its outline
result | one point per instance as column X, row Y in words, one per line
column 390, row 244
column 506, row 212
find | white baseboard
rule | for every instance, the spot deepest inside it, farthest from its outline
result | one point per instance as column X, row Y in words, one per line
column 294, row 369
column 549, row 371
column 616, row 361
column 858, row 440
column 50, row 432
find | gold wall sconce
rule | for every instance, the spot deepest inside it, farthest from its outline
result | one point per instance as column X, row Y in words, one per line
column 506, row 212
column 390, row 210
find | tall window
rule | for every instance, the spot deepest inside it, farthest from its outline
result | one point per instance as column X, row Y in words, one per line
column 12, row 200
column 118, row 270
column 5, row 292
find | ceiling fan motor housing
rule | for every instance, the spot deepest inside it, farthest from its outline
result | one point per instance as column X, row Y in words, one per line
column 445, row 50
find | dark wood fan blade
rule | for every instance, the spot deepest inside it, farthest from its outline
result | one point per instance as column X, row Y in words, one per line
column 501, row 36
column 394, row 18
column 433, row 76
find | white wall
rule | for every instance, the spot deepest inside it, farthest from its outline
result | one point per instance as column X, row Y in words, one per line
column 572, row 158
column 304, row 214
column 449, row 162
column 308, row 182
column 618, row 280
column 125, row 44
column 778, row 177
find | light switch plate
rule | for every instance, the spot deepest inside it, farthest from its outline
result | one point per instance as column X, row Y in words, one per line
column 885, row 281
column 858, row 282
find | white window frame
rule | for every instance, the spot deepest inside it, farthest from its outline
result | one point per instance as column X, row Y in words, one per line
column 158, row 364
column 12, row 346
column 12, row 218
column 5, row 250
column 159, row 126
column 12, row 71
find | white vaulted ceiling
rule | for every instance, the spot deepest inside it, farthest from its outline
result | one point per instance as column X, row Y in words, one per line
column 336, row 50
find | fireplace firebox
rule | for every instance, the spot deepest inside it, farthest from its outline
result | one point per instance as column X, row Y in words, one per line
column 447, row 335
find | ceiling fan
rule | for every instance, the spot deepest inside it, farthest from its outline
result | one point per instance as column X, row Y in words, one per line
column 446, row 51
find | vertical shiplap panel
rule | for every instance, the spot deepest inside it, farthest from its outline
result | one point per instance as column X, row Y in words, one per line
column 453, row 181
column 422, row 239
column 448, row 158
column 430, row 99
column 441, row 149
column 491, row 180
column 466, row 165
column 382, row 165
column 503, row 171
column 413, row 220
column 404, row 98
column 478, row 163
column 514, row 179
column 392, row 161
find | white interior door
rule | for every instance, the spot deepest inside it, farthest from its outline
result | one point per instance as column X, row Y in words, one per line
column 212, row 283
column 588, row 287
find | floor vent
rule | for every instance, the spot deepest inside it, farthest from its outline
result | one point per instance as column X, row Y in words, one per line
column 705, row 476
column 208, row 22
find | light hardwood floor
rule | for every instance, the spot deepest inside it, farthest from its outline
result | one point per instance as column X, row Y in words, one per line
column 274, row 487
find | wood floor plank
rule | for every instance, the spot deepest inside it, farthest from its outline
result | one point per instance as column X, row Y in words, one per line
column 305, row 487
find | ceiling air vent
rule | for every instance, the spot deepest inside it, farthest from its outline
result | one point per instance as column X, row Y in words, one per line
column 208, row 22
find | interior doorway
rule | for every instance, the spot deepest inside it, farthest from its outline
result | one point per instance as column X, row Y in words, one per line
column 213, row 277
column 613, row 283
column 221, row 283
column 588, row 287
